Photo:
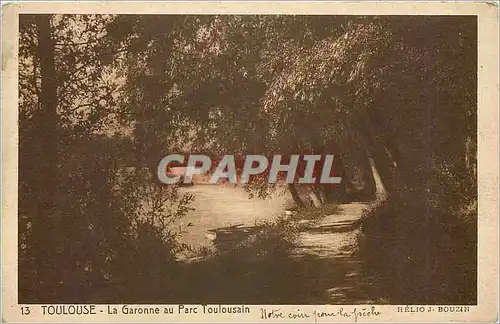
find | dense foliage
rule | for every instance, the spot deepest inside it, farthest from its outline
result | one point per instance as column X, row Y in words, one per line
column 103, row 98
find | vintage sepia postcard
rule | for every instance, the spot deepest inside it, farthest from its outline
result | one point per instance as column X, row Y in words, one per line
column 274, row 162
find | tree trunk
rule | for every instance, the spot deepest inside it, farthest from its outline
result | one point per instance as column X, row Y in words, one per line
column 316, row 200
column 380, row 163
column 44, row 182
column 380, row 190
column 322, row 194
column 295, row 195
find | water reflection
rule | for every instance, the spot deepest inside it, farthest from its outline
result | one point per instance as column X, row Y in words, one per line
column 227, row 205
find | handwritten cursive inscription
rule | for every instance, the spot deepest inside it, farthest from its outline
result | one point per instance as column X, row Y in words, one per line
column 347, row 314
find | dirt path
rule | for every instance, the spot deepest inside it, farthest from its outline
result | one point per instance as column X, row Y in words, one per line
column 324, row 267
column 332, row 244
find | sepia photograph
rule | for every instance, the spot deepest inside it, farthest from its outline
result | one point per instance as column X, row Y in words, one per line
column 234, row 159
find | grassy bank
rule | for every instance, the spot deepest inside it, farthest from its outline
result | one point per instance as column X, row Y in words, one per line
column 262, row 268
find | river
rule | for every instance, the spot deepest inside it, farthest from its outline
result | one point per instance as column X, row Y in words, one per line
column 227, row 205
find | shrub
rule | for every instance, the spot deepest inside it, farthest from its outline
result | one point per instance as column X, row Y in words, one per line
column 421, row 253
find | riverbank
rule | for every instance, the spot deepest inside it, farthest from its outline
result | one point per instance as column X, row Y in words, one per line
column 305, row 258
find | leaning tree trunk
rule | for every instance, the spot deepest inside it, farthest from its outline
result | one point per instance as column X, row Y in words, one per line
column 380, row 190
column 315, row 198
column 379, row 160
column 295, row 195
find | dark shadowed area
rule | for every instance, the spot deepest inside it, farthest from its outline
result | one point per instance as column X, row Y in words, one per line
column 103, row 98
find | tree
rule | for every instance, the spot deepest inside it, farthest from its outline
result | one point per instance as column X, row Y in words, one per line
column 58, row 78
column 45, row 148
column 81, row 218
column 206, row 77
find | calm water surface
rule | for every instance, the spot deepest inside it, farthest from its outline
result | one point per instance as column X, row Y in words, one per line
column 227, row 205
